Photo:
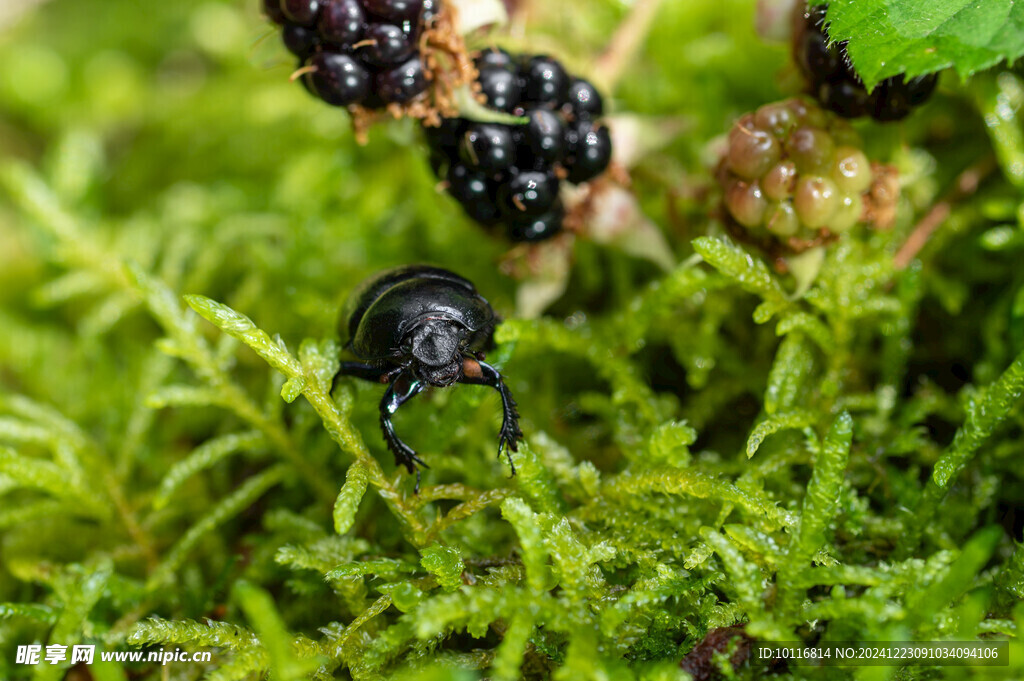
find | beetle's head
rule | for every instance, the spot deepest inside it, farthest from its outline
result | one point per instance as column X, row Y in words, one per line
column 436, row 348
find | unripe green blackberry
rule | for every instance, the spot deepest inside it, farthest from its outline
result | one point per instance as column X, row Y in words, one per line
column 794, row 176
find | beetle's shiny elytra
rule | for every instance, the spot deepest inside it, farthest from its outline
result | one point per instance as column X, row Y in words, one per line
column 418, row 326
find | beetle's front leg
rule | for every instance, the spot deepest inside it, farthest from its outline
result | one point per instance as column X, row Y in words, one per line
column 476, row 372
column 367, row 372
column 401, row 390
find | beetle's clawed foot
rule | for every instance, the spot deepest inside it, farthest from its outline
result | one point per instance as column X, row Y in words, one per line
column 508, row 439
column 404, row 454
column 507, row 445
column 410, row 460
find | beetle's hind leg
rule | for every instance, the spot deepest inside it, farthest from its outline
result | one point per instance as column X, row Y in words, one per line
column 476, row 372
column 401, row 390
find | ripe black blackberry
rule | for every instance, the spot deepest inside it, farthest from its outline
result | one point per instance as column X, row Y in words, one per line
column 795, row 177
column 834, row 83
column 511, row 175
column 374, row 54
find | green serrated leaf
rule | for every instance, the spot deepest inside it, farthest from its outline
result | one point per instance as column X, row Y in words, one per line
column 445, row 563
column 984, row 416
column 67, row 287
column 787, row 380
column 798, row 419
column 241, row 327
column 923, row 36
column 669, row 444
column 292, row 388
column 259, row 609
column 766, row 310
column 748, row 271
column 535, row 556
column 81, row 590
column 535, row 480
column 239, row 500
column 571, row 562
column 48, row 477
column 823, row 494
column 928, row 598
column 701, row 486
column 811, row 325
column 406, row 596
column 207, row 634
column 509, row 657
column 320, row 360
column 745, row 575
column 384, row 567
column 184, row 396
column 32, row 512
column 40, row 613
column 203, row 458
column 349, row 497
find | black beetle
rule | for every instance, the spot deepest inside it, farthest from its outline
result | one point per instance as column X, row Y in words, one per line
column 416, row 326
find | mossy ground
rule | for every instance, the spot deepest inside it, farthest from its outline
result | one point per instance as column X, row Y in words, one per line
column 702, row 450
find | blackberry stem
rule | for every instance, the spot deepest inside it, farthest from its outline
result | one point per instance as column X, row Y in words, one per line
column 966, row 185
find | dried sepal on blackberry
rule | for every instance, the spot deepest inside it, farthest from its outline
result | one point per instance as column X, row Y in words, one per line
column 883, row 196
column 378, row 58
column 447, row 68
column 608, row 212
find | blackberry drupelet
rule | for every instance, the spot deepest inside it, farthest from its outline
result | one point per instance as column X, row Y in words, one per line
column 361, row 53
column 795, row 177
column 834, row 83
column 511, row 174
